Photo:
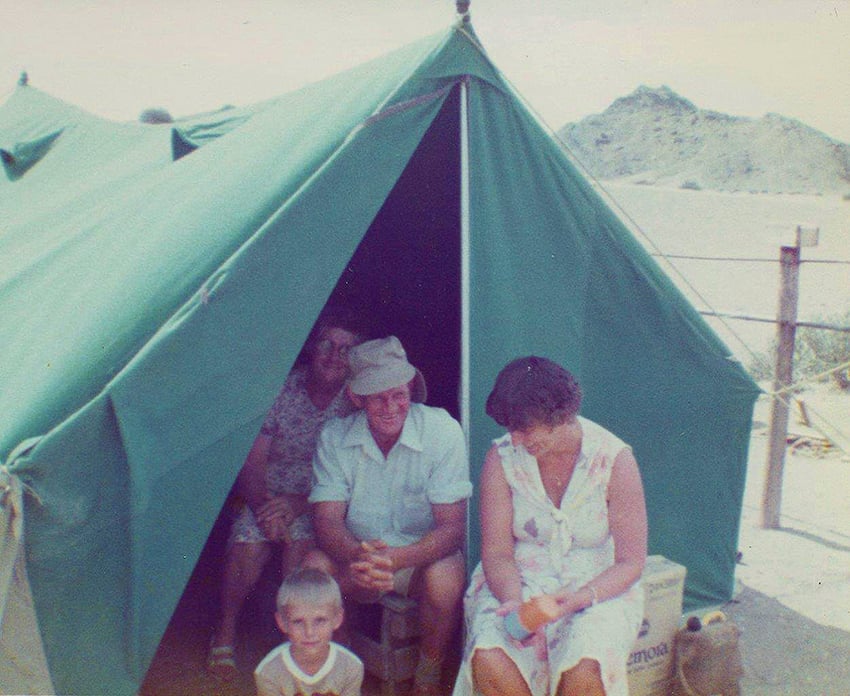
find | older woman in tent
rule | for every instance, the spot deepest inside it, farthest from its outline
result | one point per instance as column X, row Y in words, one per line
column 555, row 605
column 276, row 477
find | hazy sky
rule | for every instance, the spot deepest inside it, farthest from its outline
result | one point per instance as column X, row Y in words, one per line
column 569, row 58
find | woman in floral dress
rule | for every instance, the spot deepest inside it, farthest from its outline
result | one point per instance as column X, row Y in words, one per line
column 276, row 477
column 562, row 514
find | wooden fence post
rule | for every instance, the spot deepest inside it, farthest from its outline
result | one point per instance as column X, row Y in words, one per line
column 789, row 260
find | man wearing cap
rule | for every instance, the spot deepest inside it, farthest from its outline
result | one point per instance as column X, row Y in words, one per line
column 390, row 488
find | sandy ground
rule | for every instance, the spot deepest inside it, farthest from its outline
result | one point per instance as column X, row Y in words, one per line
column 792, row 599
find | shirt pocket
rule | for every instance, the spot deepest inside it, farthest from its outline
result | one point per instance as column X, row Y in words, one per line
column 414, row 513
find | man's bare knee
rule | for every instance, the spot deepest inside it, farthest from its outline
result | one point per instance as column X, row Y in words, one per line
column 444, row 582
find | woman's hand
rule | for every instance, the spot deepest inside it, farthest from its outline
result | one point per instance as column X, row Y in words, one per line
column 275, row 516
column 507, row 607
column 536, row 640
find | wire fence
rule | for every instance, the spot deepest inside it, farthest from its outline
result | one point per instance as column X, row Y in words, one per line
column 785, row 393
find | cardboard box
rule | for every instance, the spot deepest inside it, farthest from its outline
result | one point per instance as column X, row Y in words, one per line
column 650, row 667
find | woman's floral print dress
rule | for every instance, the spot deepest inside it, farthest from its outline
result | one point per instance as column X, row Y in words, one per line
column 293, row 423
column 559, row 547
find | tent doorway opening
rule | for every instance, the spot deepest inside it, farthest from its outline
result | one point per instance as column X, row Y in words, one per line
column 403, row 279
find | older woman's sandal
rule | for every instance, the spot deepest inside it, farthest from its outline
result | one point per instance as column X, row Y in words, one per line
column 221, row 662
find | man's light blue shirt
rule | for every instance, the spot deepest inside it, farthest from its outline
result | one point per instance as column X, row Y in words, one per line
column 390, row 498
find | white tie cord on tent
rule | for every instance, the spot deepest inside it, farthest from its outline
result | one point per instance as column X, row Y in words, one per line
column 23, row 664
column 408, row 104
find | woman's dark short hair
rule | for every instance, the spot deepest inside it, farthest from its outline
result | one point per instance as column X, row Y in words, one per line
column 533, row 391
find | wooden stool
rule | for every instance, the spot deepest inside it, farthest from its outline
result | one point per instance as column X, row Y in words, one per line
column 385, row 635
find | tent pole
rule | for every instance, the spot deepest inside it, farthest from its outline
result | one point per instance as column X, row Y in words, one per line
column 464, row 261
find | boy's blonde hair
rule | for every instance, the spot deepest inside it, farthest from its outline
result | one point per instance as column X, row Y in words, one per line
column 311, row 586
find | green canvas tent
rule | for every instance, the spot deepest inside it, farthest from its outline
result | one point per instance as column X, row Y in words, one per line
column 157, row 282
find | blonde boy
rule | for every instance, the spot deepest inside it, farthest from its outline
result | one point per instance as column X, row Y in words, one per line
column 309, row 610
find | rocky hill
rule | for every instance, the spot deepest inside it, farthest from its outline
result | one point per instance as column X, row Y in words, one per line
column 655, row 136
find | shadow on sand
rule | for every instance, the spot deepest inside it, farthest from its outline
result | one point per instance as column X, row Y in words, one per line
column 785, row 653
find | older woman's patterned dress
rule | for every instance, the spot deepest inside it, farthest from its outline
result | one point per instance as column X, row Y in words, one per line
column 559, row 547
column 293, row 423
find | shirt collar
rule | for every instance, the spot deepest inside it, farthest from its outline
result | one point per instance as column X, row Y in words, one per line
column 301, row 675
column 358, row 434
